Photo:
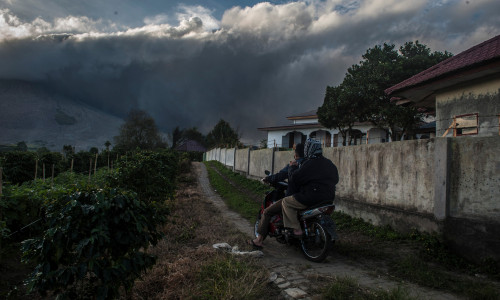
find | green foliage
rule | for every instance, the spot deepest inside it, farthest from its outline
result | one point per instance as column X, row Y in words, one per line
column 361, row 95
column 152, row 175
column 51, row 159
column 139, row 131
column 21, row 146
column 236, row 199
column 348, row 288
column 93, row 236
column 18, row 166
column 222, row 135
column 346, row 222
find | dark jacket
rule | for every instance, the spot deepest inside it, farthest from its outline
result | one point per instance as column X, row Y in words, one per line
column 283, row 175
column 315, row 180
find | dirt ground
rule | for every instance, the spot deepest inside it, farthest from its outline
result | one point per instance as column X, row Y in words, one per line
column 288, row 263
column 199, row 219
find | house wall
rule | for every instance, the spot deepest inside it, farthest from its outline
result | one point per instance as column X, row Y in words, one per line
column 476, row 97
column 281, row 138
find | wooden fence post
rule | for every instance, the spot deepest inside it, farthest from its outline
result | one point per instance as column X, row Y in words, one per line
column 72, row 160
column 36, row 168
column 90, row 168
column 1, row 184
column 95, row 164
column 52, row 180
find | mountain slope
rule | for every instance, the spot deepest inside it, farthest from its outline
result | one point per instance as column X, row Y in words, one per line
column 31, row 113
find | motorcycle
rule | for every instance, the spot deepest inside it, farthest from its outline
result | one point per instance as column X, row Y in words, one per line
column 316, row 223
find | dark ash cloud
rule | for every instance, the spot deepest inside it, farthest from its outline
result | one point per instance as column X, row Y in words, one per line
column 261, row 63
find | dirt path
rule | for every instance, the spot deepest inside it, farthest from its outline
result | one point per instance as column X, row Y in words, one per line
column 294, row 274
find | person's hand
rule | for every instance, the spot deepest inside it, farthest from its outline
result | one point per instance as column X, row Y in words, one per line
column 293, row 163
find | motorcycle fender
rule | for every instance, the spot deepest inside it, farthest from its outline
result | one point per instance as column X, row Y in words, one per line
column 329, row 225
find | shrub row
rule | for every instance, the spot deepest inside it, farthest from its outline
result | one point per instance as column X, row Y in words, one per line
column 90, row 233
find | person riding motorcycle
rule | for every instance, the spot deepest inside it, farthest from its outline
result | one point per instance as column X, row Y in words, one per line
column 276, row 208
column 315, row 180
column 284, row 173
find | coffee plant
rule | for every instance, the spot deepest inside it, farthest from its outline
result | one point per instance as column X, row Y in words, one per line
column 93, row 243
column 151, row 174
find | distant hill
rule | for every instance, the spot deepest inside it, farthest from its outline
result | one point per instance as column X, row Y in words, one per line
column 31, row 113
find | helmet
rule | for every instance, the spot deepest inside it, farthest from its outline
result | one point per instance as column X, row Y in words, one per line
column 312, row 148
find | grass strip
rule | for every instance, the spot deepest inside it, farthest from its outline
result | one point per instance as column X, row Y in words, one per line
column 348, row 288
column 235, row 199
column 227, row 277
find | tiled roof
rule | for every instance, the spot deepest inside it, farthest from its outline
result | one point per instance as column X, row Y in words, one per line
column 475, row 56
column 309, row 114
column 190, row 146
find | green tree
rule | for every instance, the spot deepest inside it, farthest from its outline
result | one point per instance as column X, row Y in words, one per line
column 194, row 135
column 94, row 150
column 338, row 111
column 176, row 136
column 68, row 151
column 21, row 146
column 139, row 131
column 382, row 67
column 222, row 135
column 107, row 144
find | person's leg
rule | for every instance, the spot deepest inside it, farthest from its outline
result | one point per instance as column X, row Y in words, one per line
column 263, row 228
column 290, row 208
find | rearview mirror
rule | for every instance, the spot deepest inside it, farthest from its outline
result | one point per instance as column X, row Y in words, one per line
column 267, row 172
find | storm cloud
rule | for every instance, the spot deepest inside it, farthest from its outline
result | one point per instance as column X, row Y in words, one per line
column 252, row 67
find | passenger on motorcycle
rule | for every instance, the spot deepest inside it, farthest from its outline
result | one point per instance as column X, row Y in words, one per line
column 315, row 182
column 276, row 208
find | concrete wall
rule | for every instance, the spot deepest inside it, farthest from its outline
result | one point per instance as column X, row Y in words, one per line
column 397, row 174
column 230, row 157
column 260, row 161
column 445, row 185
column 242, row 160
column 475, row 178
column 281, row 159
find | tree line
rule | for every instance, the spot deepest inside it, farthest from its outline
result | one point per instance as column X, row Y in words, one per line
column 360, row 97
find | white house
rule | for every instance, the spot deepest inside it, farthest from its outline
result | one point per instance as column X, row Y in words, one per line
column 306, row 125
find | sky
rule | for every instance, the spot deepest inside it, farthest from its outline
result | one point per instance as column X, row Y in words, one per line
column 192, row 63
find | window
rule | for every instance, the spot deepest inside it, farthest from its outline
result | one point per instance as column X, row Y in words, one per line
column 465, row 124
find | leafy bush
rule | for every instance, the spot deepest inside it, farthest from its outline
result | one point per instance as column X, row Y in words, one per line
column 21, row 205
column 152, row 175
column 93, row 242
column 49, row 159
column 18, row 166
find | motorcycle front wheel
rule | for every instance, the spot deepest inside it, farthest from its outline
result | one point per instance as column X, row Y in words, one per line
column 316, row 245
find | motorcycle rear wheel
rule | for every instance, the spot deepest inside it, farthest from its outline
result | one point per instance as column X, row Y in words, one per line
column 316, row 245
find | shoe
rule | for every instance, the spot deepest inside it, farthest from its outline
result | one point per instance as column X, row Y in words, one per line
column 297, row 234
column 255, row 246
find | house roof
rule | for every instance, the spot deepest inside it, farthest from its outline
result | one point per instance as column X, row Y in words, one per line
column 302, row 126
column 306, row 115
column 190, row 146
column 478, row 61
column 292, row 127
